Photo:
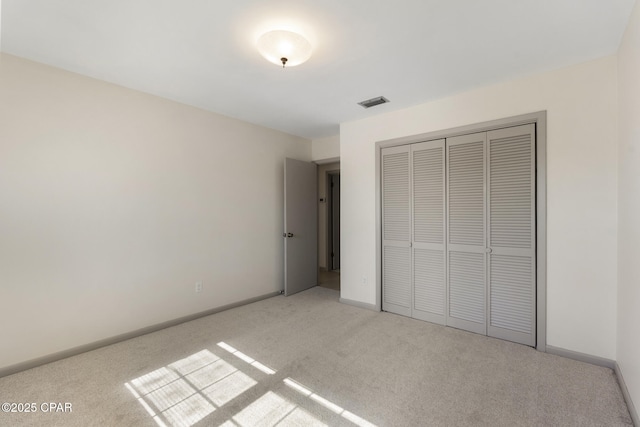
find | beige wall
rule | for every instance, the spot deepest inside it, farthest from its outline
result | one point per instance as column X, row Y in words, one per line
column 581, row 103
column 629, row 207
column 325, row 148
column 323, row 211
column 114, row 203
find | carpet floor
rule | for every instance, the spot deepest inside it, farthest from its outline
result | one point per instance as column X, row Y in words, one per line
column 309, row 360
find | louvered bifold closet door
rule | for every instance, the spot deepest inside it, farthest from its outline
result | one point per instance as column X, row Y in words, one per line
column 511, row 234
column 429, row 286
column 396, row 230
column 466, row 228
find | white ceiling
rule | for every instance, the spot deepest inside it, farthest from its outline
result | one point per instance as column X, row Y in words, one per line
column 202, row 52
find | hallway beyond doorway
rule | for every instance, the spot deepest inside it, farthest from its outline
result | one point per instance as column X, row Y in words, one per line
column 329, row 279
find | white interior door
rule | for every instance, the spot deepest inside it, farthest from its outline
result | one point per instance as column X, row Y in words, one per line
column 300, row 226
column 459, row 232
column 429, row 226
column 511, row 234
column 466, row 248
column 396, row 230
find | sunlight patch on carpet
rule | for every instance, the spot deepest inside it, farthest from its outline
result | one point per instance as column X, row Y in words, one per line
column 327, row 403
column 186, row 391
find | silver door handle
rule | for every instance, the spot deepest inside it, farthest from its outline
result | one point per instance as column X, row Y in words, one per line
column 289, row 234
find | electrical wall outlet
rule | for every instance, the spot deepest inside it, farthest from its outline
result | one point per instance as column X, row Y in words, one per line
column 198, row 286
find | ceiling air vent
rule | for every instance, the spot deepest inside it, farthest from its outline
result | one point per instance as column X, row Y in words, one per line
column 373, row 102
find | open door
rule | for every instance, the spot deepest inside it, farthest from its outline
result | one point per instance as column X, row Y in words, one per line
column 300, row 226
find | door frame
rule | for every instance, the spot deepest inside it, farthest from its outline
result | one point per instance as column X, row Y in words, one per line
column 538, row 118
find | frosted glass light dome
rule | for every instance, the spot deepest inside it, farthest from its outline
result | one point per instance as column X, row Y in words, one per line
column 284, row 48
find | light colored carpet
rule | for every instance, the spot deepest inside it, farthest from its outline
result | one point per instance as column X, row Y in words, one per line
column 309, row 360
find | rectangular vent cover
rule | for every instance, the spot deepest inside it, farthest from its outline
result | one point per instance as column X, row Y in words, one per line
column 373, row 102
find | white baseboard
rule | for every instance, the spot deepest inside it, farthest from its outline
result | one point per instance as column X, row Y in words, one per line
column 582, row 357
column 23, row 366
column 627, row 397
column 607, row 363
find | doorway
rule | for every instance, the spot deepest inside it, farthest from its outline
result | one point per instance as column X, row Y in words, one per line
column 329, row 225
column 333, row 221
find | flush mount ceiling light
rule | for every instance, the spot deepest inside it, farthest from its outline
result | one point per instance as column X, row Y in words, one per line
column 284, row 47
